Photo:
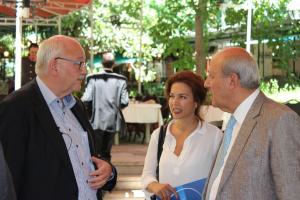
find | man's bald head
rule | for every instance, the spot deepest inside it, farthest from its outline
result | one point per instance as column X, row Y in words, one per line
column 237, row 60
column 108, row 60
column 53, row 47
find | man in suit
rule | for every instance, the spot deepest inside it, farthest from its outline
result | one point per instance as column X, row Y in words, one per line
column 28, row 64
column 107, row 94
column 47, row 139
column 263, row 155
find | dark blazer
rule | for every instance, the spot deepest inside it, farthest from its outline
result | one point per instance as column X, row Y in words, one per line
column 264, row 162
column 35, row 149
column 28, row 71
column 7, row 191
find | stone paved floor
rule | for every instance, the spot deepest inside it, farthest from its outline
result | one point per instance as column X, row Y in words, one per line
column 129, row 153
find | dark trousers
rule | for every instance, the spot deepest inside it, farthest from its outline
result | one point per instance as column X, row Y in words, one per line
column 104, row 142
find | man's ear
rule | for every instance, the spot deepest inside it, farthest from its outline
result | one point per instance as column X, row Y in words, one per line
column 234, row 80
column 52, row 67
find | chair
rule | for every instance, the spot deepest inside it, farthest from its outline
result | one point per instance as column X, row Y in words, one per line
column 134, row 130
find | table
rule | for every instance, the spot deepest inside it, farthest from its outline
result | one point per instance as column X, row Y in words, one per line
column 143, row 113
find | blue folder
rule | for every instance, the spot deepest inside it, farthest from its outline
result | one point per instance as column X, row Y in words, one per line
column 189, row 191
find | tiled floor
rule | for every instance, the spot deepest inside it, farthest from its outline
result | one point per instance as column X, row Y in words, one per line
column 132, row 153
column 129, row 161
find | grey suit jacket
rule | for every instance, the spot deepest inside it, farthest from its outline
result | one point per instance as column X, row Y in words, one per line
column 107, row 93
column 264, row 162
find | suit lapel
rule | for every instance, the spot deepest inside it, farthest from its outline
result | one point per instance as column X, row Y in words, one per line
column 49, row 126
column 78, row 112
column 245, row 131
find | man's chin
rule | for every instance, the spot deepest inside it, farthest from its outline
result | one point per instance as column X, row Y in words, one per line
column 77, row 88
column 213, row 103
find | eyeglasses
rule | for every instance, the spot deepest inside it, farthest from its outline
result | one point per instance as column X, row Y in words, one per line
column 81, row 64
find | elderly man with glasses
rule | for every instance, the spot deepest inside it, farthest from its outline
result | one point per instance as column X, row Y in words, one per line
column 47, row 139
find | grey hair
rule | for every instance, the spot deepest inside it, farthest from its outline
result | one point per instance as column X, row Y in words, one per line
column 243, row 64
column 49, row 49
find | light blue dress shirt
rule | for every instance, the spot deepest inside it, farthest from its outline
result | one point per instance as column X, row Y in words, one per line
column 76, row 139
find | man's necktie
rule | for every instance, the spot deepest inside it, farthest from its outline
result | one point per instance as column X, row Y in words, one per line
column 222, row 153
column 228, row 136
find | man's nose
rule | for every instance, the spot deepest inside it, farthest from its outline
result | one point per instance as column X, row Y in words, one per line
column 206, row 83
column 84, row 70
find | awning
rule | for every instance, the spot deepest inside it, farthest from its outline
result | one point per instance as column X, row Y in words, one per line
column 43, row 8
column 38, row 9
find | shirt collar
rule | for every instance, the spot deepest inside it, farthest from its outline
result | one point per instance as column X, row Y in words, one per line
column 108, row 70
column 199, row 128
column 68, row 101
column 242, row 110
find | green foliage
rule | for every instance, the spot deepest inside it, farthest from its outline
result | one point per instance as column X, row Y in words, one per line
column 7, row 44
column 236, row 17
column 270, row 86
column 74, row 23
column 167, row 29
column 144, row 73
column 280, row 90
column 3, row 87
column 175, row 29
column 154, row 89
column 270, row 22
column 42, row 31
column 133, row 93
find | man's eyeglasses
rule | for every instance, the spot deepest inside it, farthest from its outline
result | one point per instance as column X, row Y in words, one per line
column 81, row 64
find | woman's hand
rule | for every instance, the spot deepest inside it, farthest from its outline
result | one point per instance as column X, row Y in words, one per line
column 164, row 191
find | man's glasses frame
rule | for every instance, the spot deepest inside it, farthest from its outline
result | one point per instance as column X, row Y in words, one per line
column 81, row 64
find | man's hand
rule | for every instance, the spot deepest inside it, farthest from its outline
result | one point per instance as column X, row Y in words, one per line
column 164, row 191
column 101, row 175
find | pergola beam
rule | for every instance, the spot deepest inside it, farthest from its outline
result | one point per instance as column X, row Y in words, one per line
column 9, row 21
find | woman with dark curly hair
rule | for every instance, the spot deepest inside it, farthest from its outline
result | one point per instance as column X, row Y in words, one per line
column 190, row 144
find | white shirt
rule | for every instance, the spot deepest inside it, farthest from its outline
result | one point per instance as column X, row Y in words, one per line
column 239, row 114
column 193, row 163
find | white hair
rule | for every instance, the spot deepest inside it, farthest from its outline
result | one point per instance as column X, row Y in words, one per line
column 49, row 49
column 242, row 63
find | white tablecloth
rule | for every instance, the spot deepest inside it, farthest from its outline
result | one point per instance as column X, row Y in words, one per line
column 143, row 113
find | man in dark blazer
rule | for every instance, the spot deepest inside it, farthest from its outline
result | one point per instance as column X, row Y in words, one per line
column 28, row 64
column 47, row 139
column 262, row 160
column 107, row 94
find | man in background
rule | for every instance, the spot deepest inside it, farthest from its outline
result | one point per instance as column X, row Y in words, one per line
column 106, row 93
column 47, row 139
column 28, row 64
column 260, row 154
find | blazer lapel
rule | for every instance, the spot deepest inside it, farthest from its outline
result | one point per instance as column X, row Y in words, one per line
column 49, row 127
column 242, row 138
column 78, row 111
